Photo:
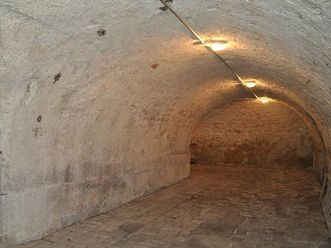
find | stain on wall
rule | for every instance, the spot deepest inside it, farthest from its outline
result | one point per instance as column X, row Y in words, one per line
column 248, row 132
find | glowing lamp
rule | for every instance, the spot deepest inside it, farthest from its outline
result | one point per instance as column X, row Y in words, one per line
column 216, row 46
column 251, row 84
column 264, row 99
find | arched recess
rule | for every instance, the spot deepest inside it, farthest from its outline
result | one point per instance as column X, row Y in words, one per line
column 245, row 104
column 183, row 115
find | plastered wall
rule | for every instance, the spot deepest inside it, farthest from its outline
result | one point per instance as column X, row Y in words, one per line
column 252, row 133
column 90, row 119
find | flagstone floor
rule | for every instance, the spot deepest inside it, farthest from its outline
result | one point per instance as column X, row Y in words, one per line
column 218, row 206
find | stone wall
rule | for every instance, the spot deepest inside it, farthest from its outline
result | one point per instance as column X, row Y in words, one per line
column 249, row 132
column 98, row 98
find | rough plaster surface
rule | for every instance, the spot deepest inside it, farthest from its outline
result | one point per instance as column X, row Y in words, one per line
column 248, row 132
column 117, row 110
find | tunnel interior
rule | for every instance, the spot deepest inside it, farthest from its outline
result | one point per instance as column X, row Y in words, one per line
column 105, row 102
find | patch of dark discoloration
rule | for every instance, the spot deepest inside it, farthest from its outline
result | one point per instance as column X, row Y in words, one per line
column 132, row 106
column 154, row 66
column 305, row 162
column 101, row 32
column 28, row 89
column 68, row 176
column 131, row 227
column 329, row 242
column 117, row 183
column 37, row 131
column 39, row 118
column 193, row 160
column 0, row 152
column 57, row 77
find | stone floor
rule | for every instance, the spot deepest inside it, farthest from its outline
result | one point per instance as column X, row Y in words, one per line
column 218, row 206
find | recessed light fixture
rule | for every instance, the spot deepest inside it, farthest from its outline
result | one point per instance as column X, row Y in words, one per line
column 216, row 45
column 264, row 99
column 250, row 84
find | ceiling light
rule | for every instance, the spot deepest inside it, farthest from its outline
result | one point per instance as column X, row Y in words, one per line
column 264, row 99
column 216, row 46
column 250, row 84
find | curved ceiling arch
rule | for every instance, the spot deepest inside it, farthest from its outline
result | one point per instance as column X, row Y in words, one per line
column 125, row 100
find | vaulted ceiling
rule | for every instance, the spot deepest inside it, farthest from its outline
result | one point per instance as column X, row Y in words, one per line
column 120, row 82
